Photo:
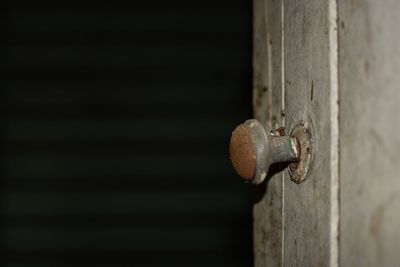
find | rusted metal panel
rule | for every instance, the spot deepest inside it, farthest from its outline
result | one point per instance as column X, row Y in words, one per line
column 369, row 141
column 310, row 216
column 267, row 89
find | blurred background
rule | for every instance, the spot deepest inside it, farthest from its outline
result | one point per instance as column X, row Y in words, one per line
column 116, row 126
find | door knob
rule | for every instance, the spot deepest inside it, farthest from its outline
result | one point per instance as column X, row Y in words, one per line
column 253, row 151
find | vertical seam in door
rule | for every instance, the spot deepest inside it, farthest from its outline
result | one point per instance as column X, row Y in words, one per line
column 269, row 60
column 283, row 121
column 334, row 121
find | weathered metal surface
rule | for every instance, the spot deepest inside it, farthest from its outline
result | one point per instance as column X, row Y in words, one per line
column 310, row 208
column 304, row 134
column 267, row 89
column 242, row 150
column 369, row 50
column 284, row 149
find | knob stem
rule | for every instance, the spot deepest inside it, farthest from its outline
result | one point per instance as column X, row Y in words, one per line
column 283, row 149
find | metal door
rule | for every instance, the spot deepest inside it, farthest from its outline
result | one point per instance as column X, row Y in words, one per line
column 334, row 65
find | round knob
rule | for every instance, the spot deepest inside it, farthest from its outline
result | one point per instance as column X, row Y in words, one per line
column 252, row 151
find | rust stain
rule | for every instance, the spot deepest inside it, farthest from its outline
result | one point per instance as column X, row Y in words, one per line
column 298, row 170
column 242, row 152
column 280, row 131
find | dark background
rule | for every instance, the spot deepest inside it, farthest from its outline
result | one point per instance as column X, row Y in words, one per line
column 116, row 126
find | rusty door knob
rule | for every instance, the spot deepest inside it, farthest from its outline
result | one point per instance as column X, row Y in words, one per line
column 252, row 151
